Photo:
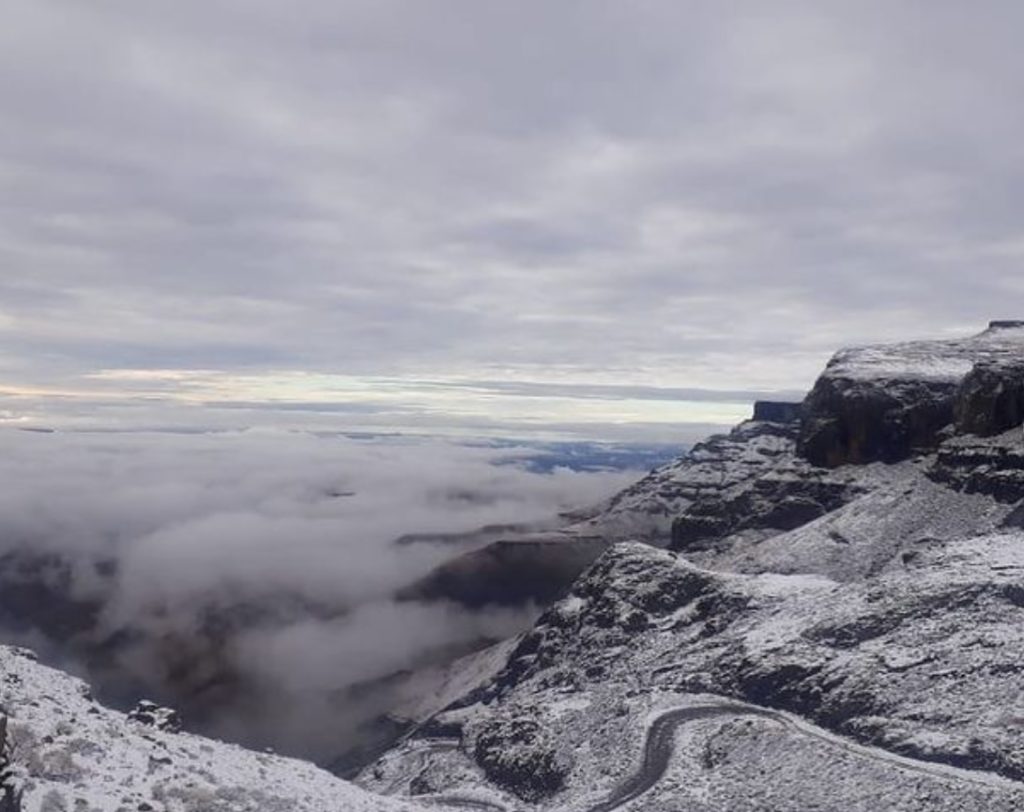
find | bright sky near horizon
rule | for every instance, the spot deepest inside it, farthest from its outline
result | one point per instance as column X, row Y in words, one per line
column 605, row 220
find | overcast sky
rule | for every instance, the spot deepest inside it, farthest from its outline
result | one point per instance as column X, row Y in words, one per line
column 378, row 205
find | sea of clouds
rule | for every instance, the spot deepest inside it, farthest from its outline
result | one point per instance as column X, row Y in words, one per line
column 264, row 554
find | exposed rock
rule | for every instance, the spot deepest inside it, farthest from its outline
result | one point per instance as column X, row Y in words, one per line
column 714, row 467
column 10, row 789
column 767, row 504
column 518, row 754
column 153, row 715
column 886, row 403
column 993, row 466
column 848, row 422
column 536, row 568
column 990, row 399
column 773, row 411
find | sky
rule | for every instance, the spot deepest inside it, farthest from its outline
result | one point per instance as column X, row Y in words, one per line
column 589, row 218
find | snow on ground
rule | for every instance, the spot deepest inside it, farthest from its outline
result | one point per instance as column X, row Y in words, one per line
column 926, row 360
column 70, row 753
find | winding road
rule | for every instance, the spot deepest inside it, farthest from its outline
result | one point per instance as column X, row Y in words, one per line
column 659, row 746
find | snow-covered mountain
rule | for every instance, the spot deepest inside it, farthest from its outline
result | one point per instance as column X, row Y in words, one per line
column 821, row 610
column 836, row 625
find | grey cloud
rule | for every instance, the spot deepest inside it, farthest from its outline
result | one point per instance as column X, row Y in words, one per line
column 713, row 191
column 612, row 391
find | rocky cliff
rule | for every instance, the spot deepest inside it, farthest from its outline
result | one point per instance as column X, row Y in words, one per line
column 887, row 403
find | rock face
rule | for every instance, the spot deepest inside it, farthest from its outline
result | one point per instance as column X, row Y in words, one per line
column 773, row 411
column 887, row 403
column 990, row 399
column 519, row 755
column 766, row 504
column 713, row 468
column 990, row 465
column 848, row 422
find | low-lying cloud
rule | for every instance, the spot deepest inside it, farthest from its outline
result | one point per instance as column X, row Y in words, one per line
column 249, row 576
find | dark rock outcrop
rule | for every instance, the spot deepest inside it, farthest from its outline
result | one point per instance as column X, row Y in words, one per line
column 774, row 411
column 992, row 466
column 886, row 403
column 712, row 468
column 517, row 754
column 990, row 399
column 1006, row 324
column 767, row 504
column 153, row 715
column 511, row 572
column 850, row 422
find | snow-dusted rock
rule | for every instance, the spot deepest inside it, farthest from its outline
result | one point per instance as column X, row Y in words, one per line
column 69, row 753
column 884, row 403
column 154, row 715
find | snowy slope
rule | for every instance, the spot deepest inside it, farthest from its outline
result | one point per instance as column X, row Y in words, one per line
column 69, row 753
column 948, row 360
column 646, row 509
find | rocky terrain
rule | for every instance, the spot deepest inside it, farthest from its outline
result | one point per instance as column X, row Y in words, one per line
column 836, row 623
column 820, row 610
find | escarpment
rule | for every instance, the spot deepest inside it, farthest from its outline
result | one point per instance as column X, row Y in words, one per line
column 843, row 573
column 887, row 403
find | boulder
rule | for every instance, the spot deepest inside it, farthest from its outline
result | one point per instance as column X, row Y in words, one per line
column 153, row 715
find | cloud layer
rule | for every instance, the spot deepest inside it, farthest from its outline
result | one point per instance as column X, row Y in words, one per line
column 249, row 577
column 655, row 193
